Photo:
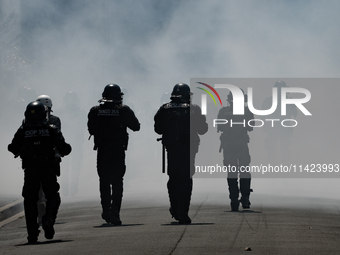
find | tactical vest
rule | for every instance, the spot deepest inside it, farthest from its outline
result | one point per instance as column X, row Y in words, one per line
column 38, row 145
column 235, row 131
column 109, row 124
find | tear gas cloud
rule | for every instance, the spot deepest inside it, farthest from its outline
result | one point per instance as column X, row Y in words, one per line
column 147, row 47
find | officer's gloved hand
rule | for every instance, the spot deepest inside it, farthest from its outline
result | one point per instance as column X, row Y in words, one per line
column 57, row 157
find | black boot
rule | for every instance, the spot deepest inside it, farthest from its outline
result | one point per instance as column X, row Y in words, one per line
column 173, row 198
column 52, row 207
column 184, row 220
column 184, row 201
column 245, row 192
column 115, row 219
column 31, row 213
column 48, row 220
column 173, row 214
column 106, row 215
column 117, row 196
column 245, row 202
column 47, row 224
column 233, row 193
column 105, row 198
column 33, row 234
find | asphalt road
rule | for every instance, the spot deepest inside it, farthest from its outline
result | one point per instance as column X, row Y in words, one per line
column 274, row 225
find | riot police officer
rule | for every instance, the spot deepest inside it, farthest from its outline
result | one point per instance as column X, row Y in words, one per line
column 179, row 122
column 108, row 123
column 37, row 141
column 52, row 119
column 234, row 142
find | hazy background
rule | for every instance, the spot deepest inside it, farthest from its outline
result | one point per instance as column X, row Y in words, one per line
column 146, row 47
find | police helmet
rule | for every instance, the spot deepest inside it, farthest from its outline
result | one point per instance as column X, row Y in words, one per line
column 112, row 92
column 35, row 111
column 280, row 84
column 45, row 100
column 182, row 91
column 230, row 97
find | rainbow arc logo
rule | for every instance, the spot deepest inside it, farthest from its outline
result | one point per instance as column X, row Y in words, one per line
column 209, row 93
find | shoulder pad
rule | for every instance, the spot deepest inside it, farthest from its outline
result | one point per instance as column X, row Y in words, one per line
column 124, row 106
column 96, row 107
column 195, row 106
column 52, row 126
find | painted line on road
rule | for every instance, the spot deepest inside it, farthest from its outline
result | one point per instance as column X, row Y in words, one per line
column 180, row 238
column 11, row 209
column 13, row 218
column 10, row 205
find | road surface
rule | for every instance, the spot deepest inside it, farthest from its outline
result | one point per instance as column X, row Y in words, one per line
column 274, row 225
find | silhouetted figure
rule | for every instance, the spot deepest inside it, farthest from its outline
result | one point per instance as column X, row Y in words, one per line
column 47, row 101
column 108, row 123
column 74, row 120
column 37, row 143
column 179, row 122
column 234, row 142
column 278, row 138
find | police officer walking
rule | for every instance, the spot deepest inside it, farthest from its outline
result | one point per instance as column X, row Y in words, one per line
column 234, row 142
column 108, row 123
column 179, row 122
column 37, row 143
column 52, row 119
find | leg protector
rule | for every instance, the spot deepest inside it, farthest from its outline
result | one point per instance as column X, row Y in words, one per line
column 173, row 191
column 233, row 193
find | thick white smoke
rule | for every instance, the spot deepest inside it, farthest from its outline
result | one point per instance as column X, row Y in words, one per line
column 147, row 47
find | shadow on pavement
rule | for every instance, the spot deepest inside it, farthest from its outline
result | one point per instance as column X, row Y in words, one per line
column 46, row 242
column 244, row 211
column 60, row 222
column 175, row 223
column 107, row 225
